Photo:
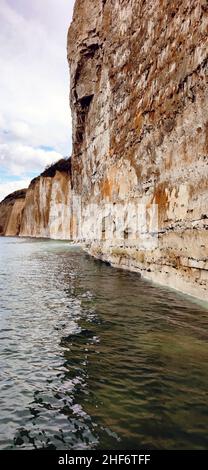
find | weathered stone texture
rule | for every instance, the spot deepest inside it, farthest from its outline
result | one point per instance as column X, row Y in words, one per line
column 44, row 209
column 139, row 101
column 47, row 212
column 11, row 210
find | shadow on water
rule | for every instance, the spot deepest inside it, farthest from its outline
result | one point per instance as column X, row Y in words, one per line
column 94, row 357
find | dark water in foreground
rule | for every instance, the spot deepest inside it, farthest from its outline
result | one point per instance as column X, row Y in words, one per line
column 92, row 357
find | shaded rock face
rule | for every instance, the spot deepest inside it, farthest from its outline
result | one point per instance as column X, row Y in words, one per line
column 140, row 129
column 47, row 212
column 11, row 211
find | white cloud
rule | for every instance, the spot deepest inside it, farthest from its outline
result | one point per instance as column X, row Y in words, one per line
column 20, row 130
column 1, row 121
column 21, row 159
column 34, row 83
column 10, row 187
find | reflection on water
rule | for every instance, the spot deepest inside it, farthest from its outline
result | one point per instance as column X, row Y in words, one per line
column 92, row 357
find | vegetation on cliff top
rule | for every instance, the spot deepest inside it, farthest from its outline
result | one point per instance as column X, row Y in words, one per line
column 20, row 194
column 63, row 165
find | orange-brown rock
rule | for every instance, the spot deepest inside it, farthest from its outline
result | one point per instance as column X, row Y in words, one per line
column 11, row 210
column 47, row 212
column 44, row 209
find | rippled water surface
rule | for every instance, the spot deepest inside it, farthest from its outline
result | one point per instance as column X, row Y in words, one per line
column 93, row 357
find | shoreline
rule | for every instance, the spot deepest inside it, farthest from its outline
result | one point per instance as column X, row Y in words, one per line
column 151, row 279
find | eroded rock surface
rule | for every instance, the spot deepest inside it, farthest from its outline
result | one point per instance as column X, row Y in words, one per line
column 11, row 210
column 139, row 101
column 47, row 211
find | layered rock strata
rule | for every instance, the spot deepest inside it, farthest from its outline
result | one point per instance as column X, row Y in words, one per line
column 139, row 102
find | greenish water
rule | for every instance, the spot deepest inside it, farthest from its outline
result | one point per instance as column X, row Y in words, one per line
column 93, row 357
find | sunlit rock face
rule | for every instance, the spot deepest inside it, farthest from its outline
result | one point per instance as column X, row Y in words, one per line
column 47, row 211
column 11, row 211
column 140, row 131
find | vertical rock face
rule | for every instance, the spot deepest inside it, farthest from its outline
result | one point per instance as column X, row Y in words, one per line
column 44, row 209
column 11, row 211
column 47, row 211
column 140, row 130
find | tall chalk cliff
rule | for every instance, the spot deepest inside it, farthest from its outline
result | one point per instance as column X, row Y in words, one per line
column 139, row 104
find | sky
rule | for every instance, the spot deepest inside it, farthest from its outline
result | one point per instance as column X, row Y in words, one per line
column 35, row 119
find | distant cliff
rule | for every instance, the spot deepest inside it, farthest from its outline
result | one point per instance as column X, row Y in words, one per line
column 139, row 104
column 11, row 209
column 47, row 205
column 43, row 210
